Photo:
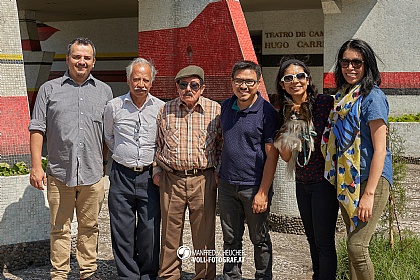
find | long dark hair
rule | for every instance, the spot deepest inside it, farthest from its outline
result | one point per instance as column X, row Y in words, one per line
column 371, row 76
column 284, row 97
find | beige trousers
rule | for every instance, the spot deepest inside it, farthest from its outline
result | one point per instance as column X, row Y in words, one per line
column 88, row 202
column 198, row 193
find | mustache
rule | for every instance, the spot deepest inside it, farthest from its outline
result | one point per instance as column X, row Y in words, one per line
column 140, row 89
column 188, row 94
column 84, row 65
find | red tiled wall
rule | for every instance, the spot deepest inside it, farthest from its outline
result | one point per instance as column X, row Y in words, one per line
column 216, row 39
column 14, row 138
column 397, row 80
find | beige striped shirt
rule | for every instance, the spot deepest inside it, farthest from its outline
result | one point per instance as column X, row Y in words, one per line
column 189, row 139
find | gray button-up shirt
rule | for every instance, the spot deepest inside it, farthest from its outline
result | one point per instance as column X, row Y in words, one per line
column 71, row 117
column 130, row 132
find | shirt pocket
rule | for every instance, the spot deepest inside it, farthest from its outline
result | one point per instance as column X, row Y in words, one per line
column 172, row 139
column 207, row 139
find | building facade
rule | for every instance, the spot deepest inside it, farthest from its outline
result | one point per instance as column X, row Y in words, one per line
column 211, row 33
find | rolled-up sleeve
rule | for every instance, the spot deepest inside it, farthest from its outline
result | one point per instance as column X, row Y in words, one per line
column 39, row 114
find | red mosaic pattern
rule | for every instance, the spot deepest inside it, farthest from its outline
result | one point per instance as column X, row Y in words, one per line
column 389, row 80
column 216, row 39
column 14, row 115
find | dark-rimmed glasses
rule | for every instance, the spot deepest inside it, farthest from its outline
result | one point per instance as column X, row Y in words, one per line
column 248, row 83
column 356, row 63
column 291, row 77
column 193, row 85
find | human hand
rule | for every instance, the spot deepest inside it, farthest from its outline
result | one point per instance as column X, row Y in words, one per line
column 156, row 178
column 364, row 211
column 216, row 177
column 260, row 202
column 38, row 178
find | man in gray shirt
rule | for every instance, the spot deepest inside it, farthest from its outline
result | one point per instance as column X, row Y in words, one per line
column 69, row 112
column 130, row 133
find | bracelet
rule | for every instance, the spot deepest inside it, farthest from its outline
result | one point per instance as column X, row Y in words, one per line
column 105, row 162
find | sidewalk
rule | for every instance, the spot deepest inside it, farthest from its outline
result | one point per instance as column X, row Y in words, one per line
column 291, row 255
column 291, row 259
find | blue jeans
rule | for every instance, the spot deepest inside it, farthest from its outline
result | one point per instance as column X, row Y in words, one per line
column 235, row 205
column 318, row 207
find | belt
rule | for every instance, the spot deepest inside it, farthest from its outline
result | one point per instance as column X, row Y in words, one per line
column 140, row 169
column 191, row 172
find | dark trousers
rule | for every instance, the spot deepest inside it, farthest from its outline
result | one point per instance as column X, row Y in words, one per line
column 135, row 244
column 235, row 205
column 318, row 207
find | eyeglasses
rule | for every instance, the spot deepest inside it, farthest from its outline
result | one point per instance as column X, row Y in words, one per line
column 193, row 85
column 248, row 83
column 356, row 63
column 290, row 78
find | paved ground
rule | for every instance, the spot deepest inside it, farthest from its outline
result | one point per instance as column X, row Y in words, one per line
column 291, row 253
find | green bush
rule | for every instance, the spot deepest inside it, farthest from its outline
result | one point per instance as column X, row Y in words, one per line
column 405, row 118
column 19, row 168
column 402, row 263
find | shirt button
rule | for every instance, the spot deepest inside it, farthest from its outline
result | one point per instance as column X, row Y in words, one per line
column 81, row 113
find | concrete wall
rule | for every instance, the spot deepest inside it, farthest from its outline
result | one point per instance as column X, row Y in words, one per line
column 291, row 32
column 115, row 42
column 391, row 29
column 409, row 133
column 24, row 212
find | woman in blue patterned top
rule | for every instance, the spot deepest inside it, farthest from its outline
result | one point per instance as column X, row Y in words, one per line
column 316, row 198
column 357, row 159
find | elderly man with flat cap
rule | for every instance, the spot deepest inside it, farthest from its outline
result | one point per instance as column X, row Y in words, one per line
column 188, row 157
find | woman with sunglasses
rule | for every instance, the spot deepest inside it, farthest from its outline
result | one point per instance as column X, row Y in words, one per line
column 357, row 158
column 316, row 197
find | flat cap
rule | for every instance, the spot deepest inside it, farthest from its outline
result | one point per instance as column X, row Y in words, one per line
column 191, row 70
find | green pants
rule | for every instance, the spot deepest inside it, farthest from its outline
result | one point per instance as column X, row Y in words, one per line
column 361, row 266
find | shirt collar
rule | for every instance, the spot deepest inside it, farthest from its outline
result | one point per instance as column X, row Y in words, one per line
column 197, row 107
column 253, row 108
column 149, row 100
column 66, row 77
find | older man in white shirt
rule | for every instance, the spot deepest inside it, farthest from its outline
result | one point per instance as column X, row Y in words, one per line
column 130, row 133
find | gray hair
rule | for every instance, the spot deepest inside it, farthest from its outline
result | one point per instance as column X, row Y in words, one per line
column 81, row 41
column 129, row 68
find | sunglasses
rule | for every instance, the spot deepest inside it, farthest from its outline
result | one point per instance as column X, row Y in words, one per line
column 248, row 83
column 193, row 85
column 302, row 76
column 356, row 63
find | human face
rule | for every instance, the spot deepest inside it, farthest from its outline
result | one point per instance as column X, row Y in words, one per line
column 351, row 74
column 246, row 94
column 188, row 95
column 80, row 62
column 140, row 81
column 296, row 88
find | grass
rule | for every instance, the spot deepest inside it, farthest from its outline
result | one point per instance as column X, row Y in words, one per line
column 402, row 263
column 405, row 118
